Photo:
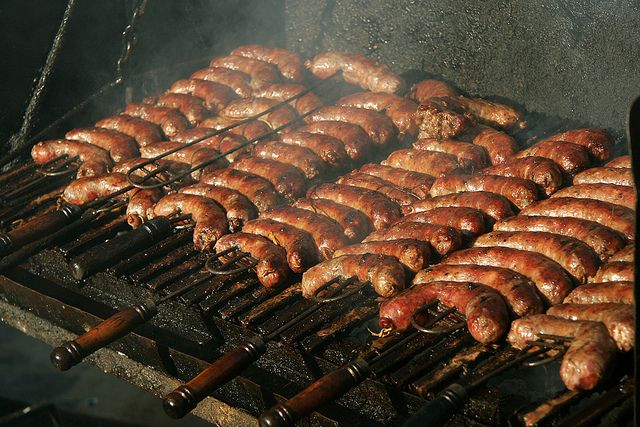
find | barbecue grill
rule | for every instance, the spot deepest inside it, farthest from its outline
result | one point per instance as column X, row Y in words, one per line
column 190, row 308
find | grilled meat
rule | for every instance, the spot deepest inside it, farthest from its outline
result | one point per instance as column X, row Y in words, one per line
column 620, row 162
column 544, row 172
column 605, row 175
column 283, row 91
column 617, row 271
column 400, row 110
column 414, row 182
column 245, row 108
column 498, row 145
column 595, row 293
column 597, row 141
column 378, row 126
column 572, row 158
column 141, row 205
column 611, row 193
column 492, row 113
column 194, row 155
column 371, row 182
column 221, row 142
column 442, row 238
column 249, row 130
column 302, row 158
column 429, row 162
column 470, row 222
column 470, row 157
column 436, row 121
column 288, row 62
column 257, row 189
column 356, row 225
column 238, row 81
column 172, row 167
column 238, row 207
column 142, row 131
column 95, row 160
column 288, row 180
column 120, row 146
column 413, row 254
column 261, row 72
column 215, row 96
column 170, row 120
column 626, row 254
column 493, row 206
column 425, row 90
column 330, row 149
column 354, row 139
column 190, row 106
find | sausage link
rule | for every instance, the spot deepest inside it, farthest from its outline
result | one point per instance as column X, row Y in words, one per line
column 238, row 207
column 493, row 206
column 605, row 175
column 414, row 182
column 190, row 106
column 288, row 62
column 170, row 120
column 215, row 96
column 249, row 130
column 331, row 150
column 429, row 162
column 442, row 238
column 279, row 118
column 412, row 253
column 355, row 140
column 625, row 254
column 120, row 146
column 544, row 172
column 492, row 113
column 597, row 141
column 617, row 271
column 594, row 293
column 620, row 162
column 611, row 193
column 356, row 225
column 302, row 158
column 257, row 189
column 142, row 131
column 370, row 182
column 288, row 180
column 499, row 145
column 378, row 126
column 238, row 81
column 425, row 90
column 284, row 91
column 221, row 142
column 436, row 121
column 95, row 160
column 400, row 110
column 261, row 72
column 468, row 221
column 572, row 158
column 141, row 204
column 470, row 157
column 193, row 155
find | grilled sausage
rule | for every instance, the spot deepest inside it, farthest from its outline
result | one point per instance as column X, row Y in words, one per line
column 244, row 108
column 499, row 145
column 594, row 293
column 385, row 273
column 518, row 291
column 618, row 318
column 603, row 240
column 400, row 110
column 550, row 278
column 436, row 121
column 425, row 90
column 611, row 193
column 544, row 172
column 493, row 206
column 215, row 96
column 302, row 158
column 492, row 113
column 141, row 204
column 620, row 162
column 326, row 233
column 302, row 252
column 430, row 162
column 238, row 207
column 613, row 216
column 249, row 130
column 378, row 126
column 193, row 155
column 95, row 160
column 190, row 106
column 414, row 182
column 88, row 189
column 261, row 72
column 170, row 120
column 380, row 210
column 483, row 308
column 288, row 62
column 120, row 146
column 442, row 238
column 357, row 70
column 257, row 189
column 238, row 81
column 272, row 269
column 170, row 165
column 625, row 254
column 209, row 218
column 371, row 182
column 356, row 225
column 355, row 140
column 521, row 192
column 222, row 142
column 470, row 157
column 331, row 150
column 470, row 222
column 284, row 91
column 597, row 141
column 573, row 255
column 142, row 131
column 572, row 158
column 605, row 175
column 288, row 180
column 590, row 354
column 412, row 253
column 617, row 271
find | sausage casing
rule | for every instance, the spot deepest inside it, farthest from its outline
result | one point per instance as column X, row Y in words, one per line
column 432, row 163
column 257, row 189
column 378, row 126
column 499, row 145
column 597, row 141
column 470, row 222
column 442, row 238
column 370, row 182
column 288, row 180
column 544, row 172
column 238, row 207
column 414, row 182
column 611, row 193
column 494, row 206
column 594, row 293
column 142, row 131
column 605, row 175
column 470, row 157
column 412, row 253
column 572, row 158
column 356, row 225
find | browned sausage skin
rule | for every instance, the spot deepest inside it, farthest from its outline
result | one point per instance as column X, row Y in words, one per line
column 442, row 238
column 193, row 155
column 370, row 182
column 432, row 163
column 499, row 145
column 215, row 96
column 470, row 222
column 170, row 120
column 142, row 131
column 605, row 175
column 625, row 254
column 245, row 108
column 221, row 142
column 378, row 126
column 597, row 141
column 414, row 182
column 412, row 253
column 470, row 157
column 120, row 146
column 356, row 225
column 249, row 130
column 191, row 107
column 614, row 272
column 594, row 293
column 288, row 180
column 611, row 193
column 288, row 62
column 95, row 160
column 544, row 172
column 355, row 140
column 260, row 191
column 261, row 72
column 330, row 149
column 302, row 158
column 284, row 91
column 620, row 162
column 425, row 90
column 494, row 206
column 572, row 158
column 492, row 113
column 238, row 81
column 400, row 110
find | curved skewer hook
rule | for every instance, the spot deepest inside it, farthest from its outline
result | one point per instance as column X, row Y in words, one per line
column 340, row 290
column 67, row 166
column 428, row 328
column 223, row 269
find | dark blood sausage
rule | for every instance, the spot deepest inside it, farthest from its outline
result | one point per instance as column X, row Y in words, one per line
column 436, row 121
column 221, row 142
column 120, row 146
column 613, row 216
column 385, row 273
column 429, row 162
column 400, row 110
column 330, row 149
column 492, row 113
column 261, row 72
column 597, row 141
column 470, row 157
column 193, row 155
column 589, row 357
column 245, row 108
column 142, row 131
column 141, row 204
column 357, row 70
column 611, row 193
column 442, row 238
column 354, row 139
column 215, row 96
column 625, row 254
column 378, row 126
column 620, row 162
column 550, row 278
column 238, row 207
column 238, row 81
column 209, row 218
column 249, row 130
column 272, row 269
column 494, row 206
column 425, row 90
column 499, row 145
column 95, row 160
column 484, row 309
column 594, row 293
column 470, row 222
column 302, row 252
column 519, row 293
column 302, row 158
column 544, row 172
column 370, row 182
column 572, row 254
column 618, row 318
column 326, row 233
column 380, row 210
column 288, row 180
column 356, row 225
column 412, row 253
column 414, row 182
column 603, row 240
column 617, row 271
column 257, row 189
column 284, row 91
column 572, row 158
column 521, row 192
column 170, row 120
column 288, row 62
column 605, row 175
column 190, row 106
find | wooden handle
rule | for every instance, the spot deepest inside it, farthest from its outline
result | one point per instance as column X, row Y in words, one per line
column 73, row 352
column 325, row 390
column 183, row 399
